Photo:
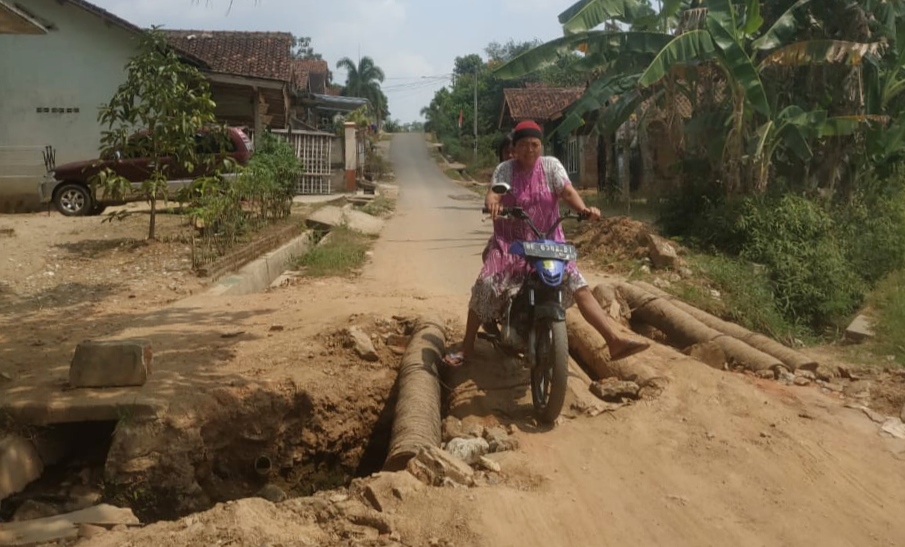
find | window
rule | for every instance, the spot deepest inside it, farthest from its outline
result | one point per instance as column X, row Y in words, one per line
column 572, row 156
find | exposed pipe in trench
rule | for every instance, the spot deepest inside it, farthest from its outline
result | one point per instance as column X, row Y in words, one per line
column 416, row 423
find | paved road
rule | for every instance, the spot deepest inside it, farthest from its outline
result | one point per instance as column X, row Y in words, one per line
column 432, row 245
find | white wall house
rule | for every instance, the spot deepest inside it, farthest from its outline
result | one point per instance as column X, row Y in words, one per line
column 51, row 86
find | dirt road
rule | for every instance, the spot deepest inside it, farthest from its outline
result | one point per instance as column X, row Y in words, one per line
column 717, row 459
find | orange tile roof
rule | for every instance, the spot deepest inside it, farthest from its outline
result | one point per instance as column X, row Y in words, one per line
column 251, row 54
column 539, row 103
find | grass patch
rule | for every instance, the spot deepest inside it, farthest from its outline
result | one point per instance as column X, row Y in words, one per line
column 454, row 174
column 746, row 296
column 381, row 206
column 342, row 254
column 887, row 301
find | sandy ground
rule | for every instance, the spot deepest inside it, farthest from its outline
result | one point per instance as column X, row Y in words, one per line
column 716, row 459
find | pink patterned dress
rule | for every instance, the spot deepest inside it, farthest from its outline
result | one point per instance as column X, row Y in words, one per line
column 537, row 192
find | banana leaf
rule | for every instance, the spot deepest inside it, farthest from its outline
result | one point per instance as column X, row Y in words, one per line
column 722, row 26
column 589, row 14
column 782, row 30
column 814, row 52
column 608, row 44
column 689, row 47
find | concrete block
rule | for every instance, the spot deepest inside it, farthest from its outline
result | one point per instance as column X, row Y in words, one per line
column 19, row 465
column 117, row 363
column 860, row 329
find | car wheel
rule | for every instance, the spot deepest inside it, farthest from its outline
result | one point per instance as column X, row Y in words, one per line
column 73, row 200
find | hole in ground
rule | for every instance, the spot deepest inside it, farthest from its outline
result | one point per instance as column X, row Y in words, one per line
column 291, row 445
column 74, row 455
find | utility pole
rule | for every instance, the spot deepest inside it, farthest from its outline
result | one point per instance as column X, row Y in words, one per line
column 475, row 157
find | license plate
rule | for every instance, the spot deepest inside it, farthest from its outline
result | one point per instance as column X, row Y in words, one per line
column 557, row 251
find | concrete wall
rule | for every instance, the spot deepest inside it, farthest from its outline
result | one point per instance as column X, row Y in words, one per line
column 75, row 68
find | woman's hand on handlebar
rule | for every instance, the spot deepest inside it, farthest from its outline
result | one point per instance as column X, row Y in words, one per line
column 493, row 205
column 590, row 213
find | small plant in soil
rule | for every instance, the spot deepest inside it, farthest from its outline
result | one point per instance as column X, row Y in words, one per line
column 342, row 254
column 381, row 206
column 168, row 101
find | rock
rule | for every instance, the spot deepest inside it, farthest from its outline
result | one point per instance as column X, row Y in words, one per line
column 433, row 466
column 801, row 381
column 829, row 386
column 662, row 253
column 499, row 439
column 468, row 450
column 4, row 377
column 785, row 376
column 611, row 389
column 807, row 374
column 766, row 374
column 894, row 427
column 857, row 390
column 66, row 526
column 645, row 269
column 473, row 426
column 450, row 428
column 272, row 493
column 89, row 531
column 362, row 344
column 825, row 373
column 661, row 283
column 32, row 509
column 860, row 329
column 489, row 464
column 386, row 491
column 19, row 465
column 710, row 354
column 685, row 272
column 118, row 363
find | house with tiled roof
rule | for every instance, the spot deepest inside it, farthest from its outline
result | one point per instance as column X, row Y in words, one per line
column 546, row 106
column 250, row 73
column 60, row 60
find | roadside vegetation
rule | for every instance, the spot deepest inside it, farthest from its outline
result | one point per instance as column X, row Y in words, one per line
column 787, row 185
column 342, row 252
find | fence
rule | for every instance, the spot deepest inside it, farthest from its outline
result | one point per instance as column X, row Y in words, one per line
column 315, row 150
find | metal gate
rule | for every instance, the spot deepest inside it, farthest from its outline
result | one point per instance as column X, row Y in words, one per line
column 314, row 149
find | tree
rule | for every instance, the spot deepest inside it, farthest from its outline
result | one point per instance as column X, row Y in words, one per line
column 168, row 101
column 301, row 49
column 363, row 80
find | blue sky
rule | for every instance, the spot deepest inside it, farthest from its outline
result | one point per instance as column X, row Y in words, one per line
column 407, row 38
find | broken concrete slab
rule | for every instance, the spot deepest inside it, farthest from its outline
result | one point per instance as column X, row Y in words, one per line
column 860, row 329
column 20, row 464
column 111, row 363
column 436, row 467
column 63, row 526
column 332, row 216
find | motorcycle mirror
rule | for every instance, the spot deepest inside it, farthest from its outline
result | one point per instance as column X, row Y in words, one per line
column 500, row 188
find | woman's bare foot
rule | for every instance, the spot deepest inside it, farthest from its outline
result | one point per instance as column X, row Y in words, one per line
column 626, row 348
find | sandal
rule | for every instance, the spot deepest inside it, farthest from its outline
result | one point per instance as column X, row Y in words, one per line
column 631, row 348
column 454, row 359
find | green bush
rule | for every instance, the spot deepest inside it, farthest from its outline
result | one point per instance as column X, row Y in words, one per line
column 872, row 228
column 793, row 237
column 888, row 303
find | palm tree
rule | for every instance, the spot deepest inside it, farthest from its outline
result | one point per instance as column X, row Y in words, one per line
column 363, row 80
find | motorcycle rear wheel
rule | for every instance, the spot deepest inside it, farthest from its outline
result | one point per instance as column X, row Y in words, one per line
column 550, row 373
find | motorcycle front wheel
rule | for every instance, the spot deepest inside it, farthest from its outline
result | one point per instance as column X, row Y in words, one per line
column 550, row 372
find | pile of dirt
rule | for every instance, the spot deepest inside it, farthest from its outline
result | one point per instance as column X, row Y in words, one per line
column 616, row 239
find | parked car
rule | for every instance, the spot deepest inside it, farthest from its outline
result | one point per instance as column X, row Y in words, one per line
column 69, row 187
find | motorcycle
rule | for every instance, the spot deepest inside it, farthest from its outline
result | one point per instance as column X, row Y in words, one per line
column 533, row 327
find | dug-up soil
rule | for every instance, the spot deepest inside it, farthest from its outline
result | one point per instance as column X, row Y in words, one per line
column 716, row 458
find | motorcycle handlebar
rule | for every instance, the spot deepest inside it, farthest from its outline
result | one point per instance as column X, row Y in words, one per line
column 517, row 212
